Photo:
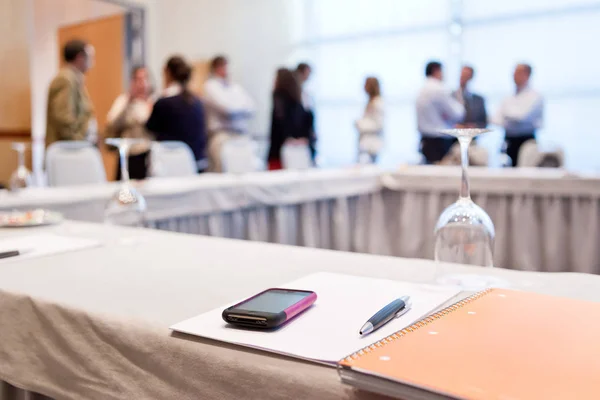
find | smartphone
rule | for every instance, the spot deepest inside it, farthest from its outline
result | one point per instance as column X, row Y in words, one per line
column 269, row 309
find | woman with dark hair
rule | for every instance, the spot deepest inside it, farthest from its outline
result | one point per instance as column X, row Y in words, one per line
column 179, row 114
column 289, row 118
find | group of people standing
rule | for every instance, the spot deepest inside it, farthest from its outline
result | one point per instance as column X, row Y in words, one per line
column 226, row 109
column 175, row 114
column 520, row 114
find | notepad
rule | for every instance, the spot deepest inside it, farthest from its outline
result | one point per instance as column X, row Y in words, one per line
column 43, row 245
column 329, row 329
column 498, row 344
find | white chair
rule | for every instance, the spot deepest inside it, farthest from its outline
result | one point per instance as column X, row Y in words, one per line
column 70, row 163
column 528, row 154
column 531, row 156
column 296, row 156
column 552, row 159
column 239, row 156
column 173, row 159
column 478, row 156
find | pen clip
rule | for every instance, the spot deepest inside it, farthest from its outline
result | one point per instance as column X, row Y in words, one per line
column 403, row 311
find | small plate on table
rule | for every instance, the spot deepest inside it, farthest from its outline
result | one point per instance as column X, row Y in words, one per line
column 25, row 219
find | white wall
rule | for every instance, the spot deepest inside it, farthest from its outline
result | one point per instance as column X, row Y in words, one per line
column 255, row 35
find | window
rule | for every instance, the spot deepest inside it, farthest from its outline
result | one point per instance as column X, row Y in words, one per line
column 348, row 40
column 558, row 45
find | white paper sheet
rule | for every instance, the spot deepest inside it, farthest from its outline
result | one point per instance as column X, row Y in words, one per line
column 43, row 245
column 328, row 331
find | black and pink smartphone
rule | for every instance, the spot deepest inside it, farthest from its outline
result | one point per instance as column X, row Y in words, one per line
column 269, row 309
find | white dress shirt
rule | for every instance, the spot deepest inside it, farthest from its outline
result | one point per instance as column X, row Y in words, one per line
column 229, row 107
column 174, row 89
column 370, row 127
column 437, row 109
column 521, row 113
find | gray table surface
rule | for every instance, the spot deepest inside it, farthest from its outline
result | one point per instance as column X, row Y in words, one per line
column 94, row 324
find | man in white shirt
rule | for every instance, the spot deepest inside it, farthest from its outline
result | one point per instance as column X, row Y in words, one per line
column 437, row 109
column 520, row 114
column 229, row 110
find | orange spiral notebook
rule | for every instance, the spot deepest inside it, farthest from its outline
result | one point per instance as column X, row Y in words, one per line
column 497, row 344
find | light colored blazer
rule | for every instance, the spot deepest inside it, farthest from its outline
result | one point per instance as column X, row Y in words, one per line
column 69, row 108
column 370, row 127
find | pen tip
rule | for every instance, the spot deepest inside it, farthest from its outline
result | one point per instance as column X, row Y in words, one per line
column 367, row 328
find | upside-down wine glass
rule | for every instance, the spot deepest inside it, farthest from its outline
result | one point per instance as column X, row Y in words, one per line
column 21, row 177
column 127, row 206
column 464, row 233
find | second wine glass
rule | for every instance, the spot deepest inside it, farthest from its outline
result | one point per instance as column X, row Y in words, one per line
column 127, row 206
column 21, row 177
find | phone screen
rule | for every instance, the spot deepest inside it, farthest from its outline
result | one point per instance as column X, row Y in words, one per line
column 273, row 301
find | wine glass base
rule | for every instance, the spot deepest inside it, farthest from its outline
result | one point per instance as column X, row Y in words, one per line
column 473, row 282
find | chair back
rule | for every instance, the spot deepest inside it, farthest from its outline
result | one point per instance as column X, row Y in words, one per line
column 172, row 159
column 296, row 156
column 478, row 156
column 238, row 155
column 71, row 163
column 528, row 154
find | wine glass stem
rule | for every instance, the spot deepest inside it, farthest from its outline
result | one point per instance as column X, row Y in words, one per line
column 21, row 158
column 465, row 142
column 123, row 150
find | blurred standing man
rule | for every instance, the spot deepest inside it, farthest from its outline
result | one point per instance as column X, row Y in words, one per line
column 70, row 111
column 303, row 72
column 520, row 114
column 474, row 104
column 229, row 109
column 436, row 110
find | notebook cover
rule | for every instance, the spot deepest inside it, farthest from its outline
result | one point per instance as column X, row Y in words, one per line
column 500, row 344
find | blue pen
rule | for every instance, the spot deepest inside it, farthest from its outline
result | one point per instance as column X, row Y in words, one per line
column 395, row 309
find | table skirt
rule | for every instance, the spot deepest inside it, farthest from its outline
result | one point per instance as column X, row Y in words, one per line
column 545, row 220
column 533, row 232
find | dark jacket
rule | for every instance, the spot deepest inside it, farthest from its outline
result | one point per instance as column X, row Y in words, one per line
column 289, row 119
column 176, row 118
column 475, row 112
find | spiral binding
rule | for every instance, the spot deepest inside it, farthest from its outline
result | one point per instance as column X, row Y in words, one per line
column 417, row 325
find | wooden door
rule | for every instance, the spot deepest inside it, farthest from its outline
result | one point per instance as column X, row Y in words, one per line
column 106, row 80
column 201, row 72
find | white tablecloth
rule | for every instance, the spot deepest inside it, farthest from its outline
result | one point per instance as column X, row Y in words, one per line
column 94, row 324
column 546, row 220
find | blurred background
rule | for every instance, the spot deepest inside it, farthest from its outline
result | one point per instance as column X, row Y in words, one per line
column 343, row 40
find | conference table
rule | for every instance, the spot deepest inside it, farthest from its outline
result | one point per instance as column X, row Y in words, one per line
column 545, row 219
column 93, row 324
